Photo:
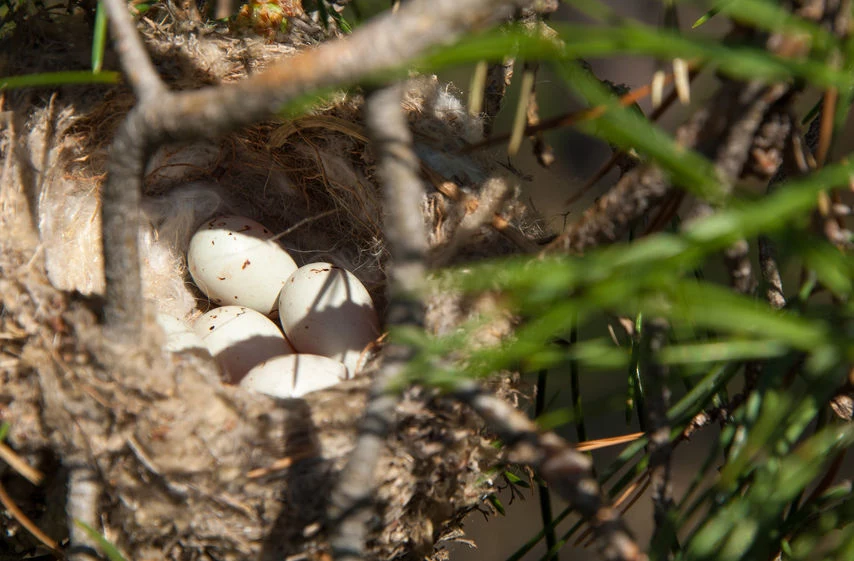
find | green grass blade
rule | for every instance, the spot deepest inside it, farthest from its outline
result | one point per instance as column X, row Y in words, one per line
column 706, row 17
column 99, row 40
column 64, row 78
column 111, row 551
column 721, row 351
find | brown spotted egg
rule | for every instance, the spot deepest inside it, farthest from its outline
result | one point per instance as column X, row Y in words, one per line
column 235, row 261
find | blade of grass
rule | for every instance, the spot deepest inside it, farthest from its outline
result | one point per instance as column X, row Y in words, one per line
column 99, row 39
column 64, row 78
column 110, row 550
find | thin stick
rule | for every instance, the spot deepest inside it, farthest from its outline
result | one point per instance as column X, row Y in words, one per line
column 28, row 524
column 599, row 443
column 84, row 492
column 17, row 463
column 635, row 491
column 594, row 179
column 136, row 64
column 304, row 222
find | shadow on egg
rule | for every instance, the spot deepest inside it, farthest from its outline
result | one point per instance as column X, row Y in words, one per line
column 334, row 329
column 240, row 357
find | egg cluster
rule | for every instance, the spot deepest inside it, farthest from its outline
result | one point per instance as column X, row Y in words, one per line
column 326, row 315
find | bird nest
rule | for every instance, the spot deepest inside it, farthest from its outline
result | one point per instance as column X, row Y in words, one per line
column 179, row 465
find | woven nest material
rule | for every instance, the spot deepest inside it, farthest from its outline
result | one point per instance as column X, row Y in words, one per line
column 186, row 467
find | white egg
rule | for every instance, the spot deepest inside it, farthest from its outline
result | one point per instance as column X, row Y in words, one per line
column 234, row 261
column 240, row 338
column 294, row 375
column 179, row 336
column 325, row 310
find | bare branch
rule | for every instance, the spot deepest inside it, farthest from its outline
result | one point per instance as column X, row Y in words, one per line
column 351, row 503
column 134, row 59
column 567, row 471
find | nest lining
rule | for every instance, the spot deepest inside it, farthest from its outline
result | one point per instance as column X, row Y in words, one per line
column 173, row 447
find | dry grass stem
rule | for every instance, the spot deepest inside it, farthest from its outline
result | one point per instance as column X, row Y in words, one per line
column 599, row 443
column 24, row 521
column 17, row 463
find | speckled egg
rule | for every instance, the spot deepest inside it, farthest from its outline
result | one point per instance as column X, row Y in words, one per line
column 234, row 261
column 240, row 338
column 294, row 375
column 326, row 311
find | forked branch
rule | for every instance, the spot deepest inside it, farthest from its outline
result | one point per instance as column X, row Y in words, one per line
column 383, row 45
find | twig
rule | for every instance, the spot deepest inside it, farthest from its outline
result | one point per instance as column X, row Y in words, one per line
column 350, row 509
column 705, row 418
column 826, row 125
column 567, row 471
column 223, row 9
column 136, row 63
column 723, row 131
column 590, row 445
column 303, row 222
column 623, row 503
column 381, row 45
column 28, row 524
column 605, row 221
column 17, row 463
column 512, row 233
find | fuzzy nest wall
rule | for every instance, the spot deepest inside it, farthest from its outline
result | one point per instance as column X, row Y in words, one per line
column 186, row 467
